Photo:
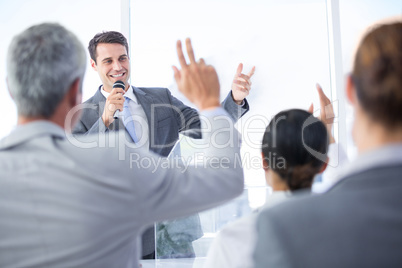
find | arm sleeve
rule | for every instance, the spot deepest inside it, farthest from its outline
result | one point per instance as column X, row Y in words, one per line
column 188, row 118
column 235, row 111
column 171, row 189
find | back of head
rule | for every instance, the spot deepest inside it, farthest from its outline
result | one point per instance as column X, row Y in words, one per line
column 110, row 37
column 294, row 146
column 42, row 63
column 377, row 74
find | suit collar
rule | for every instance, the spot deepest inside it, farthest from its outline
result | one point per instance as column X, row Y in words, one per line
column 388, row 155
column 139, row 91
column 146, row 101
column 27, row 132
column 143, row 98
column 98, row 97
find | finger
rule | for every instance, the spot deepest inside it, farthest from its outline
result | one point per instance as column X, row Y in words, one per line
column 176, row 74
column 119, row 107
column 311, row 109
column 326, row 105
column 180, row 55
column 113, row 106
column 323, row 98
column 245, row 85
column 117, row 97
column 239, row 69
column 116, row 90
column 245, row 77
column 117, row 102
column 201, row 61
column 190, row 51
column 251, row 73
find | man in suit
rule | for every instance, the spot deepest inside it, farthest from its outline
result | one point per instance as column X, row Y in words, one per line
column 63, row 205
column 158, row 119
column 157, row 115
column 358, row 222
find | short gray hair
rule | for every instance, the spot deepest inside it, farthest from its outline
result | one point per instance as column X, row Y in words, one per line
column 42, row 64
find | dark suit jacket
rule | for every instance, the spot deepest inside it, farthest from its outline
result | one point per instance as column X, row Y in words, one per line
column 166, row 115
column 358, row 223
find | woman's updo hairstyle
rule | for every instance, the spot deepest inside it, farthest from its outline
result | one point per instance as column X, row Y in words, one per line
column 295, row 145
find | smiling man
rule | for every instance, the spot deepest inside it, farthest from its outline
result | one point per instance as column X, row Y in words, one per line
column 156, row 119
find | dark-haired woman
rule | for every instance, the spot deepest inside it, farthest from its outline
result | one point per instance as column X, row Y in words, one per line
column 294, row 150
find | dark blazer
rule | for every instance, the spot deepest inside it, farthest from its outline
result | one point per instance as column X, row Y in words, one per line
column 358, row 223
column 166, row 115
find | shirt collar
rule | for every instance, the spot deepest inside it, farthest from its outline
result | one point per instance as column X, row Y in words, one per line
column 129, row 94
column 388, row 155
column 27, row 132
column 275, row 198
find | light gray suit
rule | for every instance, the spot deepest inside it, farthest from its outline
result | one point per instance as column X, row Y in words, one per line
column 167, row 117
column 61, row 205
column 358, row 223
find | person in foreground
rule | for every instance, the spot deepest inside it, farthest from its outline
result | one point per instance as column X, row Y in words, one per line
column 60, row 205
column 357, row 223
column 289, row 167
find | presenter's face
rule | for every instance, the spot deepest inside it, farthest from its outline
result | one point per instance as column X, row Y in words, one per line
column 112, row 64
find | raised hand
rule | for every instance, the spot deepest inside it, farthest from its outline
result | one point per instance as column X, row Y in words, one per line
column 327, row 114
column 197, row 81
column 114, row 101
column 241, row 85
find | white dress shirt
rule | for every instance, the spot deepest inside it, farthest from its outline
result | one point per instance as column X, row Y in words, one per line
column 233, row 247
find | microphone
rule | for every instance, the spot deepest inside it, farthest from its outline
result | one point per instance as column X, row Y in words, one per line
column 118, row 84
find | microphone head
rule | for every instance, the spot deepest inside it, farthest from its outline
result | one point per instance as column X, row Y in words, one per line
column 119, row 84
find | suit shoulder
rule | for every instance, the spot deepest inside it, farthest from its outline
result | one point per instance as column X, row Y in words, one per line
column 152, row 90
column 95, row 99
column 90, row 100
column 158, row 94
column 306, row 207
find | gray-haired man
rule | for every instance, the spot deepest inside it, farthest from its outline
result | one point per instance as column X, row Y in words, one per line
column 60, row 206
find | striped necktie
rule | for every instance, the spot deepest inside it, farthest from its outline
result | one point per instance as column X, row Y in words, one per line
column 128, row 120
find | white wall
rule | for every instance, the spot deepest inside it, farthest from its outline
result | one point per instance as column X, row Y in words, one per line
column 84, row 18
column 355, row 17
column 287, row 41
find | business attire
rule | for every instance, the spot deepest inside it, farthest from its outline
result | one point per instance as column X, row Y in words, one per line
column 69, row 202
column 158, row 118
column 164, row 115
column 234, row 245
column 356, row 223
